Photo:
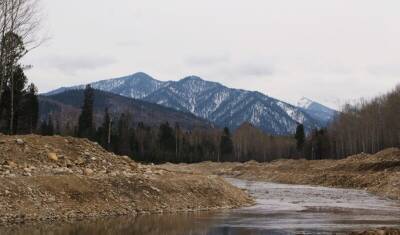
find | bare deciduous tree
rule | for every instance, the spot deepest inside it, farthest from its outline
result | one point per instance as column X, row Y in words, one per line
column 19, row 25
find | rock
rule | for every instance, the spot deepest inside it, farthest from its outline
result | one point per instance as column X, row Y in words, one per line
column 69, row 163
column 11, row 164
column 79, row 161
column 127, row 174
column 88, row 171
column 27, row 169
column 126, row 157
column 114, row 173
column 52, row 156
column 20, row 141
column 62, row 171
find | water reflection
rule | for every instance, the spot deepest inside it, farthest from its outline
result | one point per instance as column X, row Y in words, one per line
column 280, row 209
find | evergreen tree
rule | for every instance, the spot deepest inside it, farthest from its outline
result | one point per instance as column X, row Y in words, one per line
column 47, row 127
column 226, row 145
column 12, row 100
column 124, row 135
column 43, row 127
column 300, row 137
column 28, row 112
column 14, row 49
column 103, row 135
column 50, row 126
column 85, row 124
column 166, row 140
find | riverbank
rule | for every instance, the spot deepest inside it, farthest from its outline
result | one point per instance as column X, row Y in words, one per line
column 378, row 173
column 63, row 178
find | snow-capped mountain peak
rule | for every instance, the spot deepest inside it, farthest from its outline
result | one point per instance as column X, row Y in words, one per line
column 317, row 110
column 213, row 101
column 304, row 103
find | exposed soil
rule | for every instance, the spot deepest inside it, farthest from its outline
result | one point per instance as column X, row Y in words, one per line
column 381, row 231
column 63, row 178
column 378, row 173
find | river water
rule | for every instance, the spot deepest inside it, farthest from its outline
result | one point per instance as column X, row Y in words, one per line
column 280, row 209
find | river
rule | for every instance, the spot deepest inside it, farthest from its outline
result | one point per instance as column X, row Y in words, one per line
column 280, row 209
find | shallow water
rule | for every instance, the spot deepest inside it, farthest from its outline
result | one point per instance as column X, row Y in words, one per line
column 280, row 209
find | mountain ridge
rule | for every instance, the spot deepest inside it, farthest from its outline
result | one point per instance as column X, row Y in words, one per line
column 317, row 110
column 66, row 107
column 213, row 101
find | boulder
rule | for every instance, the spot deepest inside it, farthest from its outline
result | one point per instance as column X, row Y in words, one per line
column 20, row 141
column 52, row 156
column 88, row 171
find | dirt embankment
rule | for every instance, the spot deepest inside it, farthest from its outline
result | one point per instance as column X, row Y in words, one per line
column 378, row 173
column 61, row 178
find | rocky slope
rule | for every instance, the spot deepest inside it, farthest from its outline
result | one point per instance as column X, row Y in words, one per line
column 212, row 101
column 59, row 178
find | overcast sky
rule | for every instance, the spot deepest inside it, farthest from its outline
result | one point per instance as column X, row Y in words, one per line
column 328, row 50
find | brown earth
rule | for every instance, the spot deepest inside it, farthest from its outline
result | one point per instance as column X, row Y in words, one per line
column 63, row 178
column 378, row 173
column 382, row 231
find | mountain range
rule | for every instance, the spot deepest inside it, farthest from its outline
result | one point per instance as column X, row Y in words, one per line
column 217, row 103
column 66, row 107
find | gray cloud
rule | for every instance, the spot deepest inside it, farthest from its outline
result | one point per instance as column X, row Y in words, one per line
column 72, row 65
column 207, row 60
column 256, row 70
column 384, row 70
column 318, row 44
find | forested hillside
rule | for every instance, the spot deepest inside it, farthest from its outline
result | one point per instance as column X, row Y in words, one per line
column 64, row 109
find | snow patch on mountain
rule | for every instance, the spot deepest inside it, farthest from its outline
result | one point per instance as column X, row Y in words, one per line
column 210, row 100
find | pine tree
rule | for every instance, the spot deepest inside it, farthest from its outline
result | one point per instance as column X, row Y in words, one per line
column 13, row 95
column 47, row 127
column 43, row 127
column 50, row 126
column 123, row 133
column 166, row 140
column 104, row 132
column 28, row 111
column 85, row 124
column 14, row 48
column 226, row 145
column 300, row 137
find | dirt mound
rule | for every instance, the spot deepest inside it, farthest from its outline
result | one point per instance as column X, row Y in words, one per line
column 49, row 178
column 378, row 173
column 391, row 154
column 382, row 231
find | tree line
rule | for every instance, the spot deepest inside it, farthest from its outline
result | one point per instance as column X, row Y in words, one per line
column 365, row 127
column 168, row 142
